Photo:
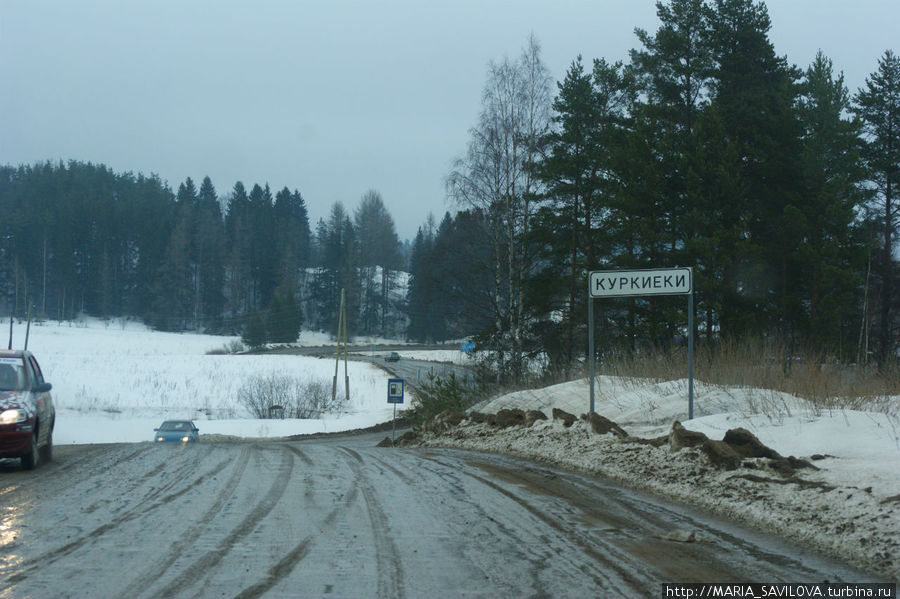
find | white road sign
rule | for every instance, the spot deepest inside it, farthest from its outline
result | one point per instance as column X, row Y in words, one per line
column 631, row 283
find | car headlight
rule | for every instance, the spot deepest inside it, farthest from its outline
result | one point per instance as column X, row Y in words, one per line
column 185, row 439
column 159, row 439
column 12, row 416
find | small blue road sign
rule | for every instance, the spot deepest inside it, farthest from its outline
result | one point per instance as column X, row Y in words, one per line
column 395, row 391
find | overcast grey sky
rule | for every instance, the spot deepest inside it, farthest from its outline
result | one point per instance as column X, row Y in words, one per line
column 330, row 97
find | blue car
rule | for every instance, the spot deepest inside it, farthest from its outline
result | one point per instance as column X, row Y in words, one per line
column 177, row 431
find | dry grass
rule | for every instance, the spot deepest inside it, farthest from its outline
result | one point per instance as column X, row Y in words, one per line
column 757, row 364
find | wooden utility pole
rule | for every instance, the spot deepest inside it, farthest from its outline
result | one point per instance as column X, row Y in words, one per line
column 341, row 340
column 27, row 327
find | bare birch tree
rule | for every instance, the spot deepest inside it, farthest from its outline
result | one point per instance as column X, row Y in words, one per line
column 495, row 177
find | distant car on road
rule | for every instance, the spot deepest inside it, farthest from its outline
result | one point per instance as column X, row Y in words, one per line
column 392, row 357
column 177, row 431
column 27, row 415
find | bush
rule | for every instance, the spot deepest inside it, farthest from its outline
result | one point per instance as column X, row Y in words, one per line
column 300, row 399
column 439, row 394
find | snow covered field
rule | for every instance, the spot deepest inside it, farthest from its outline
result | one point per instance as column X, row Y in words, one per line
column 114, row 382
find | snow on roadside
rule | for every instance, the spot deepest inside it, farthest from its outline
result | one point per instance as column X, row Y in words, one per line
column 860, row 448
column 114, row 382
column 849, row 508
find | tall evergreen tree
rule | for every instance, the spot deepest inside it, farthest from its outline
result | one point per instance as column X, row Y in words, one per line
column 337, row 271
column 292, row 239
column 831, row 255
column 420, row 294
column 239, row 235
column 264, row 257
column 753, row 97
column 673, row 72
column 379, row 258
column 451, row 286
column 878, row 107
column 175, row 303
column 209, row 249
column 577, row 225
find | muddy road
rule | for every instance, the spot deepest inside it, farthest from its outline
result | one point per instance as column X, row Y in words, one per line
column 339, row 517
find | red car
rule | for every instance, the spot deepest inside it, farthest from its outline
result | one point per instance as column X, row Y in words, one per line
column 27, row 414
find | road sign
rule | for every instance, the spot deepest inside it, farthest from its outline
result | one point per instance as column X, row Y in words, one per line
column 467, row 347
column 631, row 283
column 395, row 391
column 635, row 283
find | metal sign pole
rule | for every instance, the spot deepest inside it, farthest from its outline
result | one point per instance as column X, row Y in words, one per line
column 395, row 396
column 591, row 348
column 691, row 355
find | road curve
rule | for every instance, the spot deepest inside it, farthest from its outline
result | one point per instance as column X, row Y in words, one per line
column 338, row 517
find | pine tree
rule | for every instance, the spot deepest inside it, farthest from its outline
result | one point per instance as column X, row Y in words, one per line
column 291, row 222
column 831, row 255
column 878, row 107
column 661, row 159
column 419, row 292
column 753, row 94
column 576, row 226
column 263, row 252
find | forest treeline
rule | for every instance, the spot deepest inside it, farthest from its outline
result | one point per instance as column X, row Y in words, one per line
column 77, row 238
column 705, row 149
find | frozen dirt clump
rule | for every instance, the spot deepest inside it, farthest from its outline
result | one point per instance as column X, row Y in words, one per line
column 566, row 418
column 602, row 426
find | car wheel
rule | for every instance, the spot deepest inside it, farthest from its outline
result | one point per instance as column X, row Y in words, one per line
column 46, row 452
column 30, row 459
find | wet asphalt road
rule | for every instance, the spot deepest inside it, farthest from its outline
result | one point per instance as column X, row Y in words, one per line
column 338, row 517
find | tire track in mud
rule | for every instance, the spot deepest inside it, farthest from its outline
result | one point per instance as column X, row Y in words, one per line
column 187, row 465
column 158, row 569
column 637, row 525
column 450, row 474
column 52, row 556
column 387, row 557
column 56, row 475
column 302, row 455
column 204, row 565
column 290, row 561
column 404, row 476
column 611, row 557
column 636, row 511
